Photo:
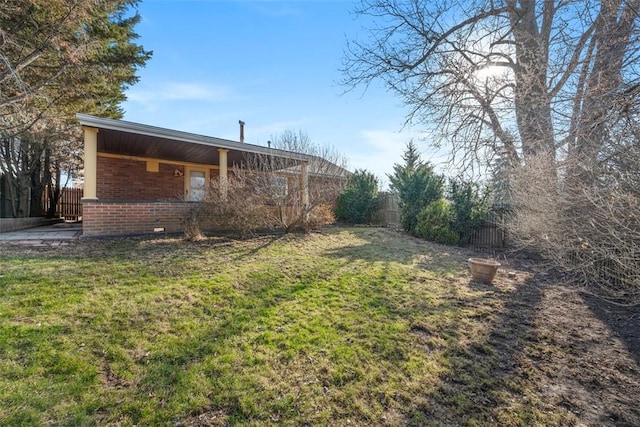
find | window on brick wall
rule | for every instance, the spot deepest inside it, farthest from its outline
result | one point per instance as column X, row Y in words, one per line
column 279, row 186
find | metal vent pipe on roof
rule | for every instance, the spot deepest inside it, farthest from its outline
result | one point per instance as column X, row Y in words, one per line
column 241, row 123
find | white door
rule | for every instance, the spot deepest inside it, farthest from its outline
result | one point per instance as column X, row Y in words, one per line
column 197, row 184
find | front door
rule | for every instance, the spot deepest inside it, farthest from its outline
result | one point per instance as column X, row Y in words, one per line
column 196, row 185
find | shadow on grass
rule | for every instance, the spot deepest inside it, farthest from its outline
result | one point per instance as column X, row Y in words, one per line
column 160, row 377
column 219, row 353
column 244, row 248
column 195, row 368
column 484, row 374
column 623, row 321
column 268, row 241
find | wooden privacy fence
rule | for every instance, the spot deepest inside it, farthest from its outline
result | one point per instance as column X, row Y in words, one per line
column 69, row 206
column 388, row 214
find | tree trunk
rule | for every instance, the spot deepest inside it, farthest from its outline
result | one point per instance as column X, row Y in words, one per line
column 533, row 106
column 54, row 194
column 52, row 188
column 36, row 188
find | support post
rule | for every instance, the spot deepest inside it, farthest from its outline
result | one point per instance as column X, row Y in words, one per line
column 304, row 182
column 90, row 163
column 224, row 180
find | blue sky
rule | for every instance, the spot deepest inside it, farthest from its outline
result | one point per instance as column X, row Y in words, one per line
column 274, row 65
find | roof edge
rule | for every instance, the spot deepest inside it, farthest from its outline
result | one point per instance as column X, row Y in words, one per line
column 158, row 132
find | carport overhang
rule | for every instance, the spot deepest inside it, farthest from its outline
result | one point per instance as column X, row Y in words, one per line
column 104, row 136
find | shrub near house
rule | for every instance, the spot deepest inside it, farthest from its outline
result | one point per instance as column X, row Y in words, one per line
column 359, row 201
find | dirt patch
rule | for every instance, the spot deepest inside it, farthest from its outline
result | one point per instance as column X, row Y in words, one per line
column 581, row 352
column 206, row 418
column 623, row 321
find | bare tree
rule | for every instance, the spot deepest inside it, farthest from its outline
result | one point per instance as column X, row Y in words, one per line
column 299, row 190
column 506, row 78
column 548, row 90
column 294, row 186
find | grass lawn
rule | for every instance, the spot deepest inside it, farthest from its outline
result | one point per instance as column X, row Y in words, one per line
column 356, row 326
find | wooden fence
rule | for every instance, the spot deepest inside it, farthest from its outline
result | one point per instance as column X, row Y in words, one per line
column 69, row 205
column 388, row 214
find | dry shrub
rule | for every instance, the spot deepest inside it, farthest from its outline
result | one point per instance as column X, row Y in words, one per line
column 533, row 196
column 192, row 223
column 278, row 177
column 246, row 207
column 238, row 209
column 587, row 224
column 319, row 216
column 606, row 236
column 287, row 189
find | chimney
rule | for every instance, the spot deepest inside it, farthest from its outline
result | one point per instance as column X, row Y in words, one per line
column 269, row 144
column 241, row 123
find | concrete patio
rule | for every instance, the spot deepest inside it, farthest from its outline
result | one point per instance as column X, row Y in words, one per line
column 56, row 234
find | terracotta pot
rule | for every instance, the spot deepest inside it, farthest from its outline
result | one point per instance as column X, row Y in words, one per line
column 483, row 270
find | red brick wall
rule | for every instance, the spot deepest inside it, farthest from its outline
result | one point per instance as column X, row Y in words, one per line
column 134, row 201
column 122, row 179
column 121, row 218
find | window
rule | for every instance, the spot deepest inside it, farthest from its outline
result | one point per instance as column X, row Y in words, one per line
column 279, row 186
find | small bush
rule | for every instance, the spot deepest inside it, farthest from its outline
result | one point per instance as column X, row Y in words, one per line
column 318, row 217
column 434, row 223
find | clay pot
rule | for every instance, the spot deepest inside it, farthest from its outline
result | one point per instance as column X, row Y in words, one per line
column 483, row 270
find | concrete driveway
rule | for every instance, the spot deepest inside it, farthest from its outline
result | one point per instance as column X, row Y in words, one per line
column 56, row 234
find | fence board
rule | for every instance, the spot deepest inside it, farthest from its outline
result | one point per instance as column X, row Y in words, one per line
column 69, row 206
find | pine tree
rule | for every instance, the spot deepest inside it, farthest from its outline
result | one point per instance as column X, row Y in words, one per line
column 58, row 58
column 416, row 184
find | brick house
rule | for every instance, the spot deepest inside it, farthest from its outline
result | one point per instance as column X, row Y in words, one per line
column 142, row 179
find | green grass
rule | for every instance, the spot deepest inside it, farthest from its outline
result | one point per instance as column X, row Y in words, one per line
column 355, row 326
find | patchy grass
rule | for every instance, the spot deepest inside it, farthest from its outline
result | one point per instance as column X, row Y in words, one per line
column 356, row 326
